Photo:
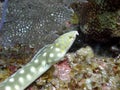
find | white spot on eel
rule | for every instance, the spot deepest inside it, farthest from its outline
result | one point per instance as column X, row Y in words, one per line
column 51, row 47
column 51, row 55
column 36, row 61
column 11, row 80
column 43, row 62
column 8, row 88
column 57, row 49
column 17, row 87
column 21, row 80
column 28, row 76
column 41, row 69
column 59, row 54
column 44, row 54
column 32, row 69
column 21, row 71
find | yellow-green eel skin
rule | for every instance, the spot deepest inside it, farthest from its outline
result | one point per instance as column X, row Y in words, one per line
column 40, row 63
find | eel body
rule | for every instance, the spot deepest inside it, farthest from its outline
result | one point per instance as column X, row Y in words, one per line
column 41, row 62
column 3, row 14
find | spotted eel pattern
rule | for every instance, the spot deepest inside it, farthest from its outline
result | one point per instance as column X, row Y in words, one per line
column 41, row 62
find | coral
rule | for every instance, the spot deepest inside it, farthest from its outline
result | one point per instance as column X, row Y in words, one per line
column 62, row 71
column 32, row 24
column 99, row 19
column 87, row 71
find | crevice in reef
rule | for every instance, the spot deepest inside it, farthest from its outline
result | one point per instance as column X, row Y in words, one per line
column 98, row 26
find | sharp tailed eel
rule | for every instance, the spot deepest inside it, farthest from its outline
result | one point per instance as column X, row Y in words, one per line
column 41, row 62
